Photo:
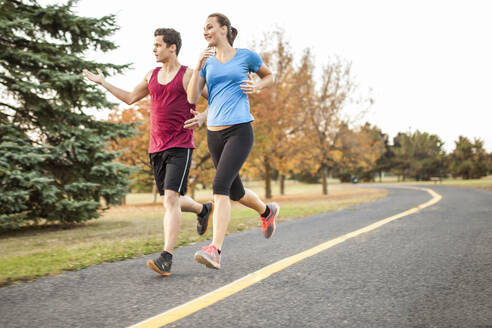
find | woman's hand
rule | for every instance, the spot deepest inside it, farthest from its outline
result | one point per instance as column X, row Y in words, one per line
column 195, row 122
column 208, row 52
column 251, row 86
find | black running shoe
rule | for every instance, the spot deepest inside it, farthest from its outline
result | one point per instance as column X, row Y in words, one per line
column 162, row 264
column 203, row 221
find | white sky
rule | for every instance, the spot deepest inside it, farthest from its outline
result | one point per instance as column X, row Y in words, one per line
column 429, row 63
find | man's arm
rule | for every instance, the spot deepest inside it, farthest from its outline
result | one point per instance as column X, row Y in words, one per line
column 140, row 91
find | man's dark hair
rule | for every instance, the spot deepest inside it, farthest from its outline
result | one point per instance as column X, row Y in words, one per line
column 170, row 36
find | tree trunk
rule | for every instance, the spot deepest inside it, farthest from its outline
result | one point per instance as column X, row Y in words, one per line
column 268, row 180
column 380, row 176
column 123, row 200
column 324, row 179
column 154, row 193
column 282, row 184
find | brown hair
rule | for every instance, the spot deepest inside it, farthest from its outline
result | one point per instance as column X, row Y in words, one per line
column 170, row 36
column 224, row 21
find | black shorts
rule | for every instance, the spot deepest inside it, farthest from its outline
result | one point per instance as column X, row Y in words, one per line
column 171, row 168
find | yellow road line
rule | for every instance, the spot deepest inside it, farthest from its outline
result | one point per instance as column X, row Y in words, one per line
column 206, row 300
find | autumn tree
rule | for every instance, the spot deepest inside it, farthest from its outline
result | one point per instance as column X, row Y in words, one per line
column 135, row 150
column 303, row 97
column 322, row 113
column 275, row 115
column 357, row 152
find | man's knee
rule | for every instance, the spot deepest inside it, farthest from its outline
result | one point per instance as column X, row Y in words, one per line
column 171, row 199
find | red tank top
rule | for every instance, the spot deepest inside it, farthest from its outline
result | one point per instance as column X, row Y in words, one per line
column 169, row 109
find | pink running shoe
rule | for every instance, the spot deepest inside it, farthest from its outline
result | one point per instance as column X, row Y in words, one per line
column 208, row 255
column 268, row 223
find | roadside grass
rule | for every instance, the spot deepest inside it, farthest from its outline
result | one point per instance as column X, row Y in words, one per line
column 483, row 183
column 135, row 230
column 291, row 188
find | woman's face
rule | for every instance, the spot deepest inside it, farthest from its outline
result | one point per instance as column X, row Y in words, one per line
column 213, row 32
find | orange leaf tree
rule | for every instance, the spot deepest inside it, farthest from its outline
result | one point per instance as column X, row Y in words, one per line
column 322, row 123
column 274, row 115
column 135, row 150
column 358, row 151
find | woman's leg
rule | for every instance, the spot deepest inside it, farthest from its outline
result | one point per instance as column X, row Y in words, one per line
column 237, row 146
column 221, row 219
column 253, row 201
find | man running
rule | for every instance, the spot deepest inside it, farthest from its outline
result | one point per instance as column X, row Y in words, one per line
column 171, row 145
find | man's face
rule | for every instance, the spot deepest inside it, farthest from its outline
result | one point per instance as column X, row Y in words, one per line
column 161, row 51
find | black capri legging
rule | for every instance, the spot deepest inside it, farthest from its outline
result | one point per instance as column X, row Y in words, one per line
column 229, row 149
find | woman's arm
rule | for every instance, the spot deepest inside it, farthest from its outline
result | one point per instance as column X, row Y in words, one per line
column 195, row 86
column 266, row 80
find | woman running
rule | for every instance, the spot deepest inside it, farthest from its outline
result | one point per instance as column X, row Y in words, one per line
column 227, row 74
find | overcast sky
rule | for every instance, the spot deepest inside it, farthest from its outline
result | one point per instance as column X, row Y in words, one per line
column 428, row 63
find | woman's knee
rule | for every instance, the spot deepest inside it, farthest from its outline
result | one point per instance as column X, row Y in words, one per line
column 237, row 193
column 221, row 187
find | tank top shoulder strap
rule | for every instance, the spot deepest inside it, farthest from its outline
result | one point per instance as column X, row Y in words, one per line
column 153, row 77
column 181, row 72
column 179, row 76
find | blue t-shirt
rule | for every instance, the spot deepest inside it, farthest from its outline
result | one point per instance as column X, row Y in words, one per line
column 227, row 103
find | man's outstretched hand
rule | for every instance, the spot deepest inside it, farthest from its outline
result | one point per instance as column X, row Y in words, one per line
column 97, row 78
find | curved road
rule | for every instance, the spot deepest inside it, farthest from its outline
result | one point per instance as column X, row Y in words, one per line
column 432, row 268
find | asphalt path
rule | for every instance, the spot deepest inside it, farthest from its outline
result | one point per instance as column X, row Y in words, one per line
column 432, row 268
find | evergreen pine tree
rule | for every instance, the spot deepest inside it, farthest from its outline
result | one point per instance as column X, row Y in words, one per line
column 53, row 159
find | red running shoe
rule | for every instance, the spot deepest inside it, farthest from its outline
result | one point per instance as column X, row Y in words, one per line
column 208, row 255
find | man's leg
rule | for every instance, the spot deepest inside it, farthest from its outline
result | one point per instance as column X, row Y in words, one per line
column 172, row 219
column 162, row 264
column 203, row 212
column 188, row 204
column 172, row 223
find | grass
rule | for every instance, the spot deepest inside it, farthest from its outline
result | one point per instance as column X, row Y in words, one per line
column 292, row 188
column 484, row 183
column 135, row 230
